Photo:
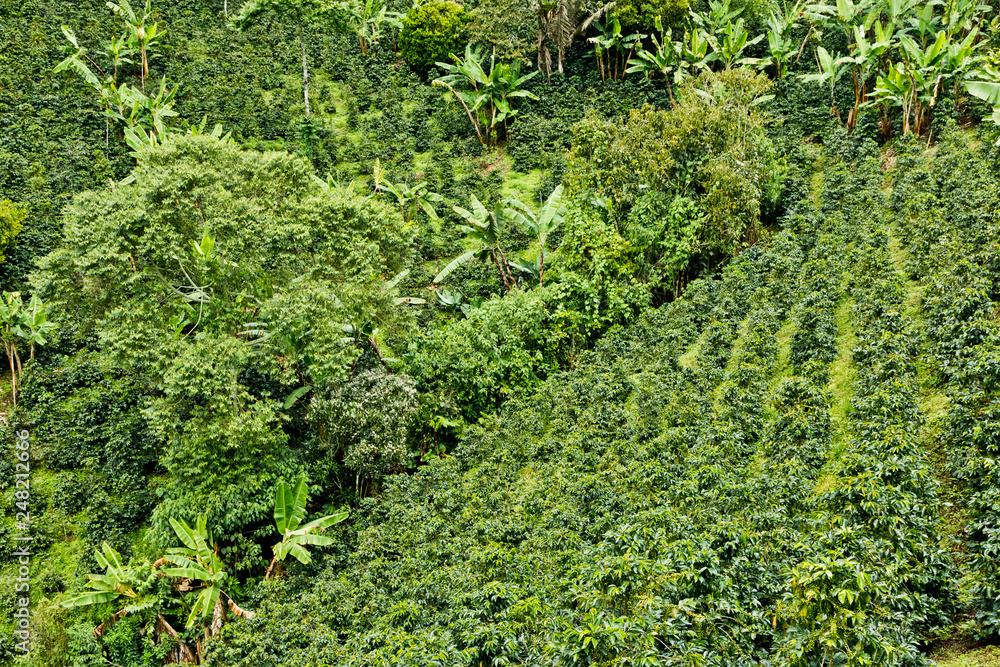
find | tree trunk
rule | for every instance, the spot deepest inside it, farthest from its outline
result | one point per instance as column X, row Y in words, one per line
column 541, row 264
column 502, row 264
column 218, row 617
column 238, row 611
column 102, row 628
column 180, row 653
column 270, row 568
column 503, row 276
column 305, row 72
column 13, row 374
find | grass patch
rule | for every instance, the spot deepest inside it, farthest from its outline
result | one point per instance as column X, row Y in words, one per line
column 736, row 355
column 690, row 358
column 783, row 366
column 843, row 376
column 522, row 186
column 961, row 655
column 953, row 516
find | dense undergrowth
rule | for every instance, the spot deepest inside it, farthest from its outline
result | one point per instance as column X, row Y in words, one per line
column 688, row 364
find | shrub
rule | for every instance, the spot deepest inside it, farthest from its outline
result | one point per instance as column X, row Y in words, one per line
column 367, row 420
column 432, row 32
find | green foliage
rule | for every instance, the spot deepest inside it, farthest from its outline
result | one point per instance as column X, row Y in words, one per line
column 289, row 511
column 370, row 20
column 548, row 220
column 485, row 230
column 199, row 561
column 667, row 182
column 551, row 471
column 142, row 114
column 431, row 32
column 12, row 219
column 500, row 346
column 508, row 26
column 113, row 584
column 225, row 298
column 643, row 14
column 955, row 254
column 486, row 95
column 366, row 420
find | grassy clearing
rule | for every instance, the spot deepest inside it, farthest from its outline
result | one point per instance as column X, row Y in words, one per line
column 690, row 358
column 843, row 376
column 934, row 407
column 736, row 355
column 783, row 366
column 953, row 516
column 522, row 186
column 962, row 655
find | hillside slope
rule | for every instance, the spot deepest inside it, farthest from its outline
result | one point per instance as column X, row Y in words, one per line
column 708, row 488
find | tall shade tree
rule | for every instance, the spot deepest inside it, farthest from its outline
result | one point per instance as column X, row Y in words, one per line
column 331, row 14
column 213, row 262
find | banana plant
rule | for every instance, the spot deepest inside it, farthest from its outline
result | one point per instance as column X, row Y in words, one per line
column 289, row 511
column 607, row 38
column 486, row 95
column 409, row 197
column 116, row 582
column 985, row 90
column 664, row 59
column 964, row 16
column 988, row 91
column 720, row 14
column 133, row 585
column 552, row 215
column 141, row 35
column 485, row 228
column 369, row 19
column 530, row 267
column 35, row 324
column 923, row 66
column 142, row 114
column 735, row 39
column 11, row 307
column 199, row 561
column 830, row 71
column 963, row 60
column 450, row 300
column 896, row 88
column 118, row 52
column 924, row 23
column 780, row 45
column 696, row 54
column 864, row 60
column 843, row 15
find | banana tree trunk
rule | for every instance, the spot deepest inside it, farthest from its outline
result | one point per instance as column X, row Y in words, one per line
column 13, row 373
column 181, row 653
column 271, row 569
column 218, row 617
column 541, row 263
